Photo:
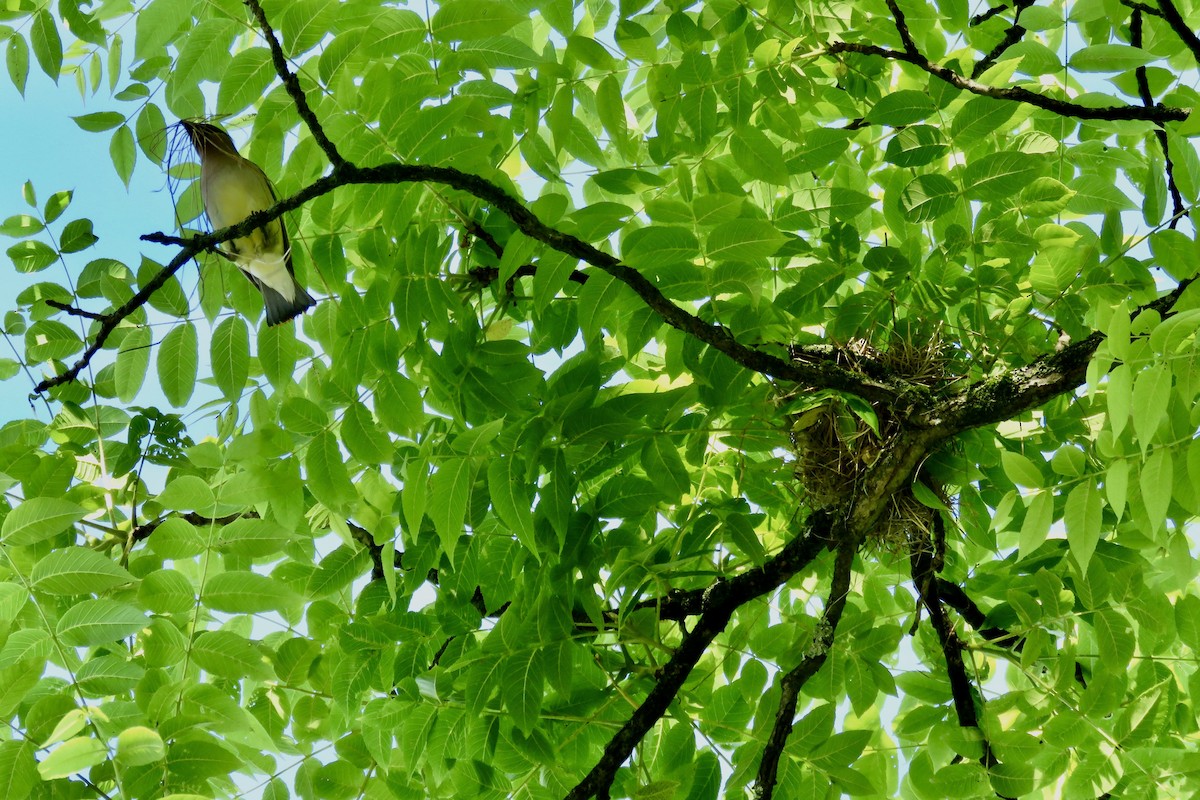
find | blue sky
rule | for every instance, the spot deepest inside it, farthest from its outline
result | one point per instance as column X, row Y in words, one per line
column 56, row 154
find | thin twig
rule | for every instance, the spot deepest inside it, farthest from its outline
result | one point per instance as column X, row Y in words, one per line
column 73, row 311
column 824, row 375
column 1160, row 133
column 1017, row 94
column 961, row 689
column 719, row 603
column 1011, row 36
column 791, row 683
column 1178, row 24
column 292, row 84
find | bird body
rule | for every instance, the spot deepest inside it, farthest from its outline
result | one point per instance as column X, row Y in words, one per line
column 232, row 188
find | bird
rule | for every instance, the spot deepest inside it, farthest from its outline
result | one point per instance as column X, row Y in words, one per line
column 232, row 188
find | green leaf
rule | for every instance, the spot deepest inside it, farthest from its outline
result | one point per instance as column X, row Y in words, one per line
column 980, row 117
column 1157, row 481
column 928, row 197
column 151, row 131
column 1054, row 269
column 466, row 20
column 901, row 108
column 1044, row 197
column 77, row 235
column 123, row 153
column 744, row 240
column 1109, row 58
column 56, row 205
column 326, row 473
column 1118, row 395
column 657, row 246
column 245, row 80
column 1095, row 195
column 250, row 536
column 18, row 768
column 72, row 756
column 16, row 56
column 133, row 359
column 178, row 362
column 77, row 570
column 916, row 146
column 758, row 156
column 21, row 225
column 138, row 745
column 1114, row 637
column 245, row 592
column 1020, row 470
column 1082, row 518
column 228, row 655
column 523, row 687
column 999, row 175
column 1038, row 517
column 449, row 489
column 32, row 256
column 512, row 501
column 167, row 591
column 38, row 519
column 1116, row 485
column 93, row 622
column 610, row 108
column 1151, row 394
column 31, row 646
column 230, row 355
column 99, row 121
column 363, row 438
column 187, row 492
column 278, row 353
column 47, row 44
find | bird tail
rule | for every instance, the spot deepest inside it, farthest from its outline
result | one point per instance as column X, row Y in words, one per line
column 280, row 309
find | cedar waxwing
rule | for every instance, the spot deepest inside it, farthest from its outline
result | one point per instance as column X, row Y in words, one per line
column 232, row 189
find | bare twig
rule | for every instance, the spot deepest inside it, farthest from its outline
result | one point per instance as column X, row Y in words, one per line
column 1011, row 36
column 825, row 375
column 791, row 683
column 1178, row 24
column 953, row 595
column 717, row 606
column 292, row 84
column 1018, row 94
column 73, row 311
column 906, row 39
column 979, row 19
column 1160, row 133
column 486, row 275
column 961, row 688
column 1001, row 397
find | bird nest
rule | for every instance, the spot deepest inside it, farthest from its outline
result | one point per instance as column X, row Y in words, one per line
column 837, row 437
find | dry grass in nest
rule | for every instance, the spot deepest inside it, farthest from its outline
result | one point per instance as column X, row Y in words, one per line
column 837, row 437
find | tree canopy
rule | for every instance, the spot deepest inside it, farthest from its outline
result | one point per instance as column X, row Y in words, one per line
column 702, row 399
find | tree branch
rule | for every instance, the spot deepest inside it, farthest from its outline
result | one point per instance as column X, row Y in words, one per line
column 1018, row 94
column 111, row 321
column 791, row 683
column 292, row 84
column 1178, row 24
column 1011, row 37
column 953, row 595
column 1001, row 397
column 1143, row 83
column 486, row 275
column 718, row 604
column 823, row 375
column 74, row 311
column 961, row 689
column 906, row 39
